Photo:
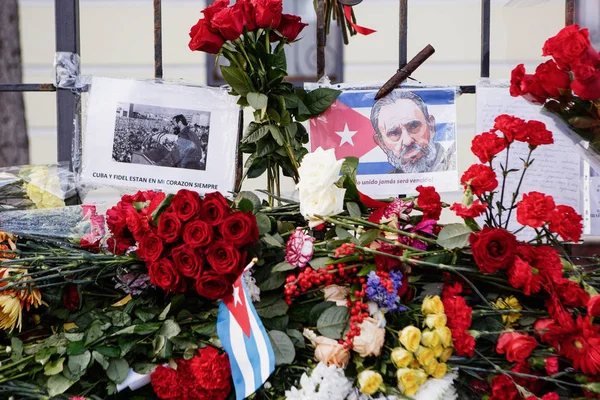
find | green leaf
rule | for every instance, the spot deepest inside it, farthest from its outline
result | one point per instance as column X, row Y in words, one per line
column 117, row 370
column 163, row 315
column 75, row 348
column 276, row 134
column 147, row 328
column 258, row 167
column 349, row 167
column 74, row 337
column 236, row 79
column 274, row 115
column 319, row 100
column 16, row 349
column 161, row 208
column 454, row 236
column 278, row 60
column 317, row 310
column 145, row 314
column 96, row 331
column 368, row 237
column 101, row 359
column 144, row 368
column 283, row 348
column 119, row 318
column 274, row 281
column 271, row 241
column 265, row 146
column 264, row 223
column 283, row 266
column 342, row 233
column 258, row 101
column 353, row 209
column 366, row 270
column 207, row 329
column 78, row 364
column 252, row 198
column 278, row 308
column 170, row 329
column 296, row 337
column 319, row 263
column 54, row 367
column 245, row 205
column 162, row 347
column 44, row 355
column 58, row 384
column 254, row 132
column 109, row 351
column 333, row 321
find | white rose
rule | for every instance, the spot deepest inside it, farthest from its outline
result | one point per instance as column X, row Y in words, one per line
column 326, row 202
column 319, row 170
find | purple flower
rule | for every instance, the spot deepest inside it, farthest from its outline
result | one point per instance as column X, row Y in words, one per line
column 382, row 288
column 425, row 226
column 299, row 249
column 132, row 283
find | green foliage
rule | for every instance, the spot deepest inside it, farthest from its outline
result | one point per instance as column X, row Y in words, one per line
column 454, row 236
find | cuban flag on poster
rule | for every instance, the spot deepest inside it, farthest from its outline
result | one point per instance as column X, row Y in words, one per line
column 415, row 145
column 245, row 340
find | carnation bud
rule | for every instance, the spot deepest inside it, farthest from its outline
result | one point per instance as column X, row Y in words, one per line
column 593, row 387
column 410, row 337
column 401, row 357
column 424, row 355
column 436, row 320
column 446, row 354
column 445, row 335
column 430, row 339
column 369, row 382
column 432, row 305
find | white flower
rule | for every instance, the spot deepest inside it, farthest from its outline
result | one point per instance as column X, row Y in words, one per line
column 251, row 286
column 325, row 202
column 377, row 313
column 438, row 389
column 324, row 383
column 299, row 249
column 319, row 170
column 371, row 338
column 336, row 293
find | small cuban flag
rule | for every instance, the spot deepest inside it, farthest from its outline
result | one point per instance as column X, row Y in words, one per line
column 245, row 340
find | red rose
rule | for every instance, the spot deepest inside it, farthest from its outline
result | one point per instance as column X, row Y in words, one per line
column 570, row 46
column 186, row 204
column 204, row 39
column 164, row 275
column 210, row 11
column 211, row 369
column 487, row 145
column 534, row 210
column 150, row 247
column 214, row 286
column 239, row 229
column 493, row 249
column 247, row 9
column 587, row 82
column 527, row 85
column 571, row 294
column 267, row 13
column 429, row 202
column 70, row 297
column 480, row 178
column 513, row 128
column 225, row 259
column 552, row 79
column 119, row 245
column 214, row 208
column 291, row 26
column 517, row 346
column 229, row 22
column 551, row 365
column 537, row 134
column 473, row 211
column 155, row 200
column 165, row 383
column 593, row 306
column 198, row 234
column 169, row 227
column 187, row 261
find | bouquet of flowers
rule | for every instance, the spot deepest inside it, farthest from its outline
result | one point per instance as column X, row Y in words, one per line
column 252, row 36
column 568, row 85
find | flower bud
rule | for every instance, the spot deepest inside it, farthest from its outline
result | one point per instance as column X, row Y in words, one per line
column 401, row 357
column 432, row 305
column 369, row 382
column 445, row 335
column 430, row 339
column 446, row 354
column 410, row 337
column 434, row 321
column 424, row 355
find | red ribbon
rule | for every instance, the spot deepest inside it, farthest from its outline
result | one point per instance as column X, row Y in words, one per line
column 360, row 29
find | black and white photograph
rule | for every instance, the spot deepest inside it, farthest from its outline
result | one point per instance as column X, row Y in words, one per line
column 161, row 136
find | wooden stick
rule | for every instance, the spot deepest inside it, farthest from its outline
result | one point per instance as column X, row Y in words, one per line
column 405, row 72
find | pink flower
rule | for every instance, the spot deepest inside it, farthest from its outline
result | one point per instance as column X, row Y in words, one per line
column 299, row 249
column 399, row 208
column 77, row 398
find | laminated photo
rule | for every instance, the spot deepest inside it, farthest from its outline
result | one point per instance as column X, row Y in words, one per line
column 403, row 140
column 160, row 136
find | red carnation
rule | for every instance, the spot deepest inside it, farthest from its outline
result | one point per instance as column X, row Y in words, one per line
column 565, row 221
column 225, row 259
column 551, row 365
column 116, row 219
column 571, row 294
column 487, row 145
column 198, row 234
column 150, row 247
column 169, row 227
column 473, row 211
column 512, row 127
column 211, row 369
column 537, row 134
column 593, row 306
column 164, row 275
column 214, row 208
column 429, row 202
column 291, row 26
column 267, row 13
column 137, row 223
column 531, row 265
column 583, row 347
column 480, row 178
column 516, row 346
column 165, row 383
column 463, row 342
column 493, row 249
column 186, row 204
column 239, row 229
column 503, row 388
column 187, row 261
column 214, row 286
column 534, row 210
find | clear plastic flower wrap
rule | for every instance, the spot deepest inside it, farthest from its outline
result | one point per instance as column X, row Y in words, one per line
column 36, row 186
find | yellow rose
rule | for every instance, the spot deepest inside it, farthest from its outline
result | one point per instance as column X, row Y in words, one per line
column 371, row 338
column 440, row 371
column 434, row 321
column 445, row 335
column 369, row 382
column 424, row 355
column 431, row 367
column 401, row 357
column 432, row 305
column 437, row 351
column 446, row 354
column 509, row 303
column 407, row 377
column 410, row 337
column 430, row 339
column 421, row 376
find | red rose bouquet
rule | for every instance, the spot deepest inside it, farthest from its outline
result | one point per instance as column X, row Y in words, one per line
column 252, row 36
column 568, row 85
column 187, row 242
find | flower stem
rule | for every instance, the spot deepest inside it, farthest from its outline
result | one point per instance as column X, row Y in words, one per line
column 383, row 228
column 504, row 175
column 516, row 192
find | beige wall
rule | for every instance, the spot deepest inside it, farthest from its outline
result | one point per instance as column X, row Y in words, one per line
column 116, row 41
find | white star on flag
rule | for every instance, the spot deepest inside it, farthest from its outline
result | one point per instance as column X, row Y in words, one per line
column 346, row 135
column 236, row 296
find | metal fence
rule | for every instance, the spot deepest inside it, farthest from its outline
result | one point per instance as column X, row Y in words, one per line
column 67, row 40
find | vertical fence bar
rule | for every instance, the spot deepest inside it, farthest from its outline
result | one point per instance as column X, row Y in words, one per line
column 569, row 12
column 67, row 39
column 158, row 63
column 485, row 38
column 321, row 38
column 403, row 34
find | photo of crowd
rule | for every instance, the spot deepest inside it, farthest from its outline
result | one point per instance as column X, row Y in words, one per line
column 161, row 136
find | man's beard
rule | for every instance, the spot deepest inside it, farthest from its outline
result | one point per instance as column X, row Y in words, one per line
column 423, row 164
